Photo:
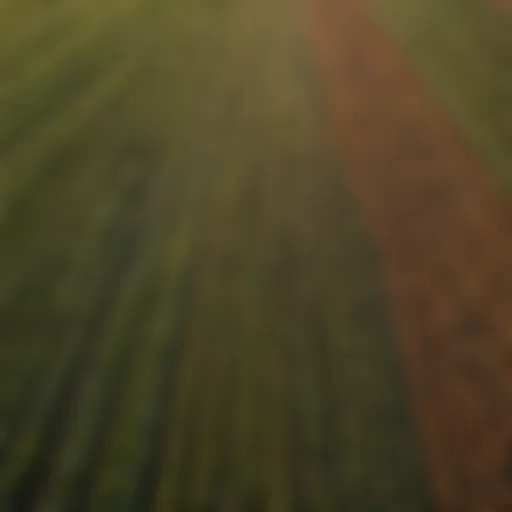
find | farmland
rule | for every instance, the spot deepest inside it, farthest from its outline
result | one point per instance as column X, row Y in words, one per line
column 191, row 315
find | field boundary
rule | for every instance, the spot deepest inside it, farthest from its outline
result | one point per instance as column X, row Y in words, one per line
column 441, row 229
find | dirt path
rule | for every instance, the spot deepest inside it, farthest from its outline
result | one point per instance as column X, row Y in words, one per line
column 442, row 232
column 505, row 5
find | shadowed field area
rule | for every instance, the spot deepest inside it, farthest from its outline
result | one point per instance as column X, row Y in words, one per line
column 190, row 312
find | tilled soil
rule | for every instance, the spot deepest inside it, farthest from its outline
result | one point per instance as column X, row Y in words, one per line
column 503, row 4
column 442, row 232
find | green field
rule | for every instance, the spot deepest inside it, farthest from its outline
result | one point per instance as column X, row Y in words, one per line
column 190, row 313
column 463, row 48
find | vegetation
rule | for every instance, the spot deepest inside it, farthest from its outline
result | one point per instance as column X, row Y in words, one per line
column 190, row 314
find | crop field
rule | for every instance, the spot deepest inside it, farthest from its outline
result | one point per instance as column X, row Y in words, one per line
column 191, row 316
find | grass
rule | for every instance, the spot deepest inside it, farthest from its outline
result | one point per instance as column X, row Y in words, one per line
column 191, row 313
column 464, row 49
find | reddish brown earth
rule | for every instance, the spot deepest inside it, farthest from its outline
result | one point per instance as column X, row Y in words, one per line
column 503, row 4
column 442, row 231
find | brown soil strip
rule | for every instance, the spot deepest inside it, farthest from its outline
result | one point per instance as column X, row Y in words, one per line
column 505, row 5
column 442, row 232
